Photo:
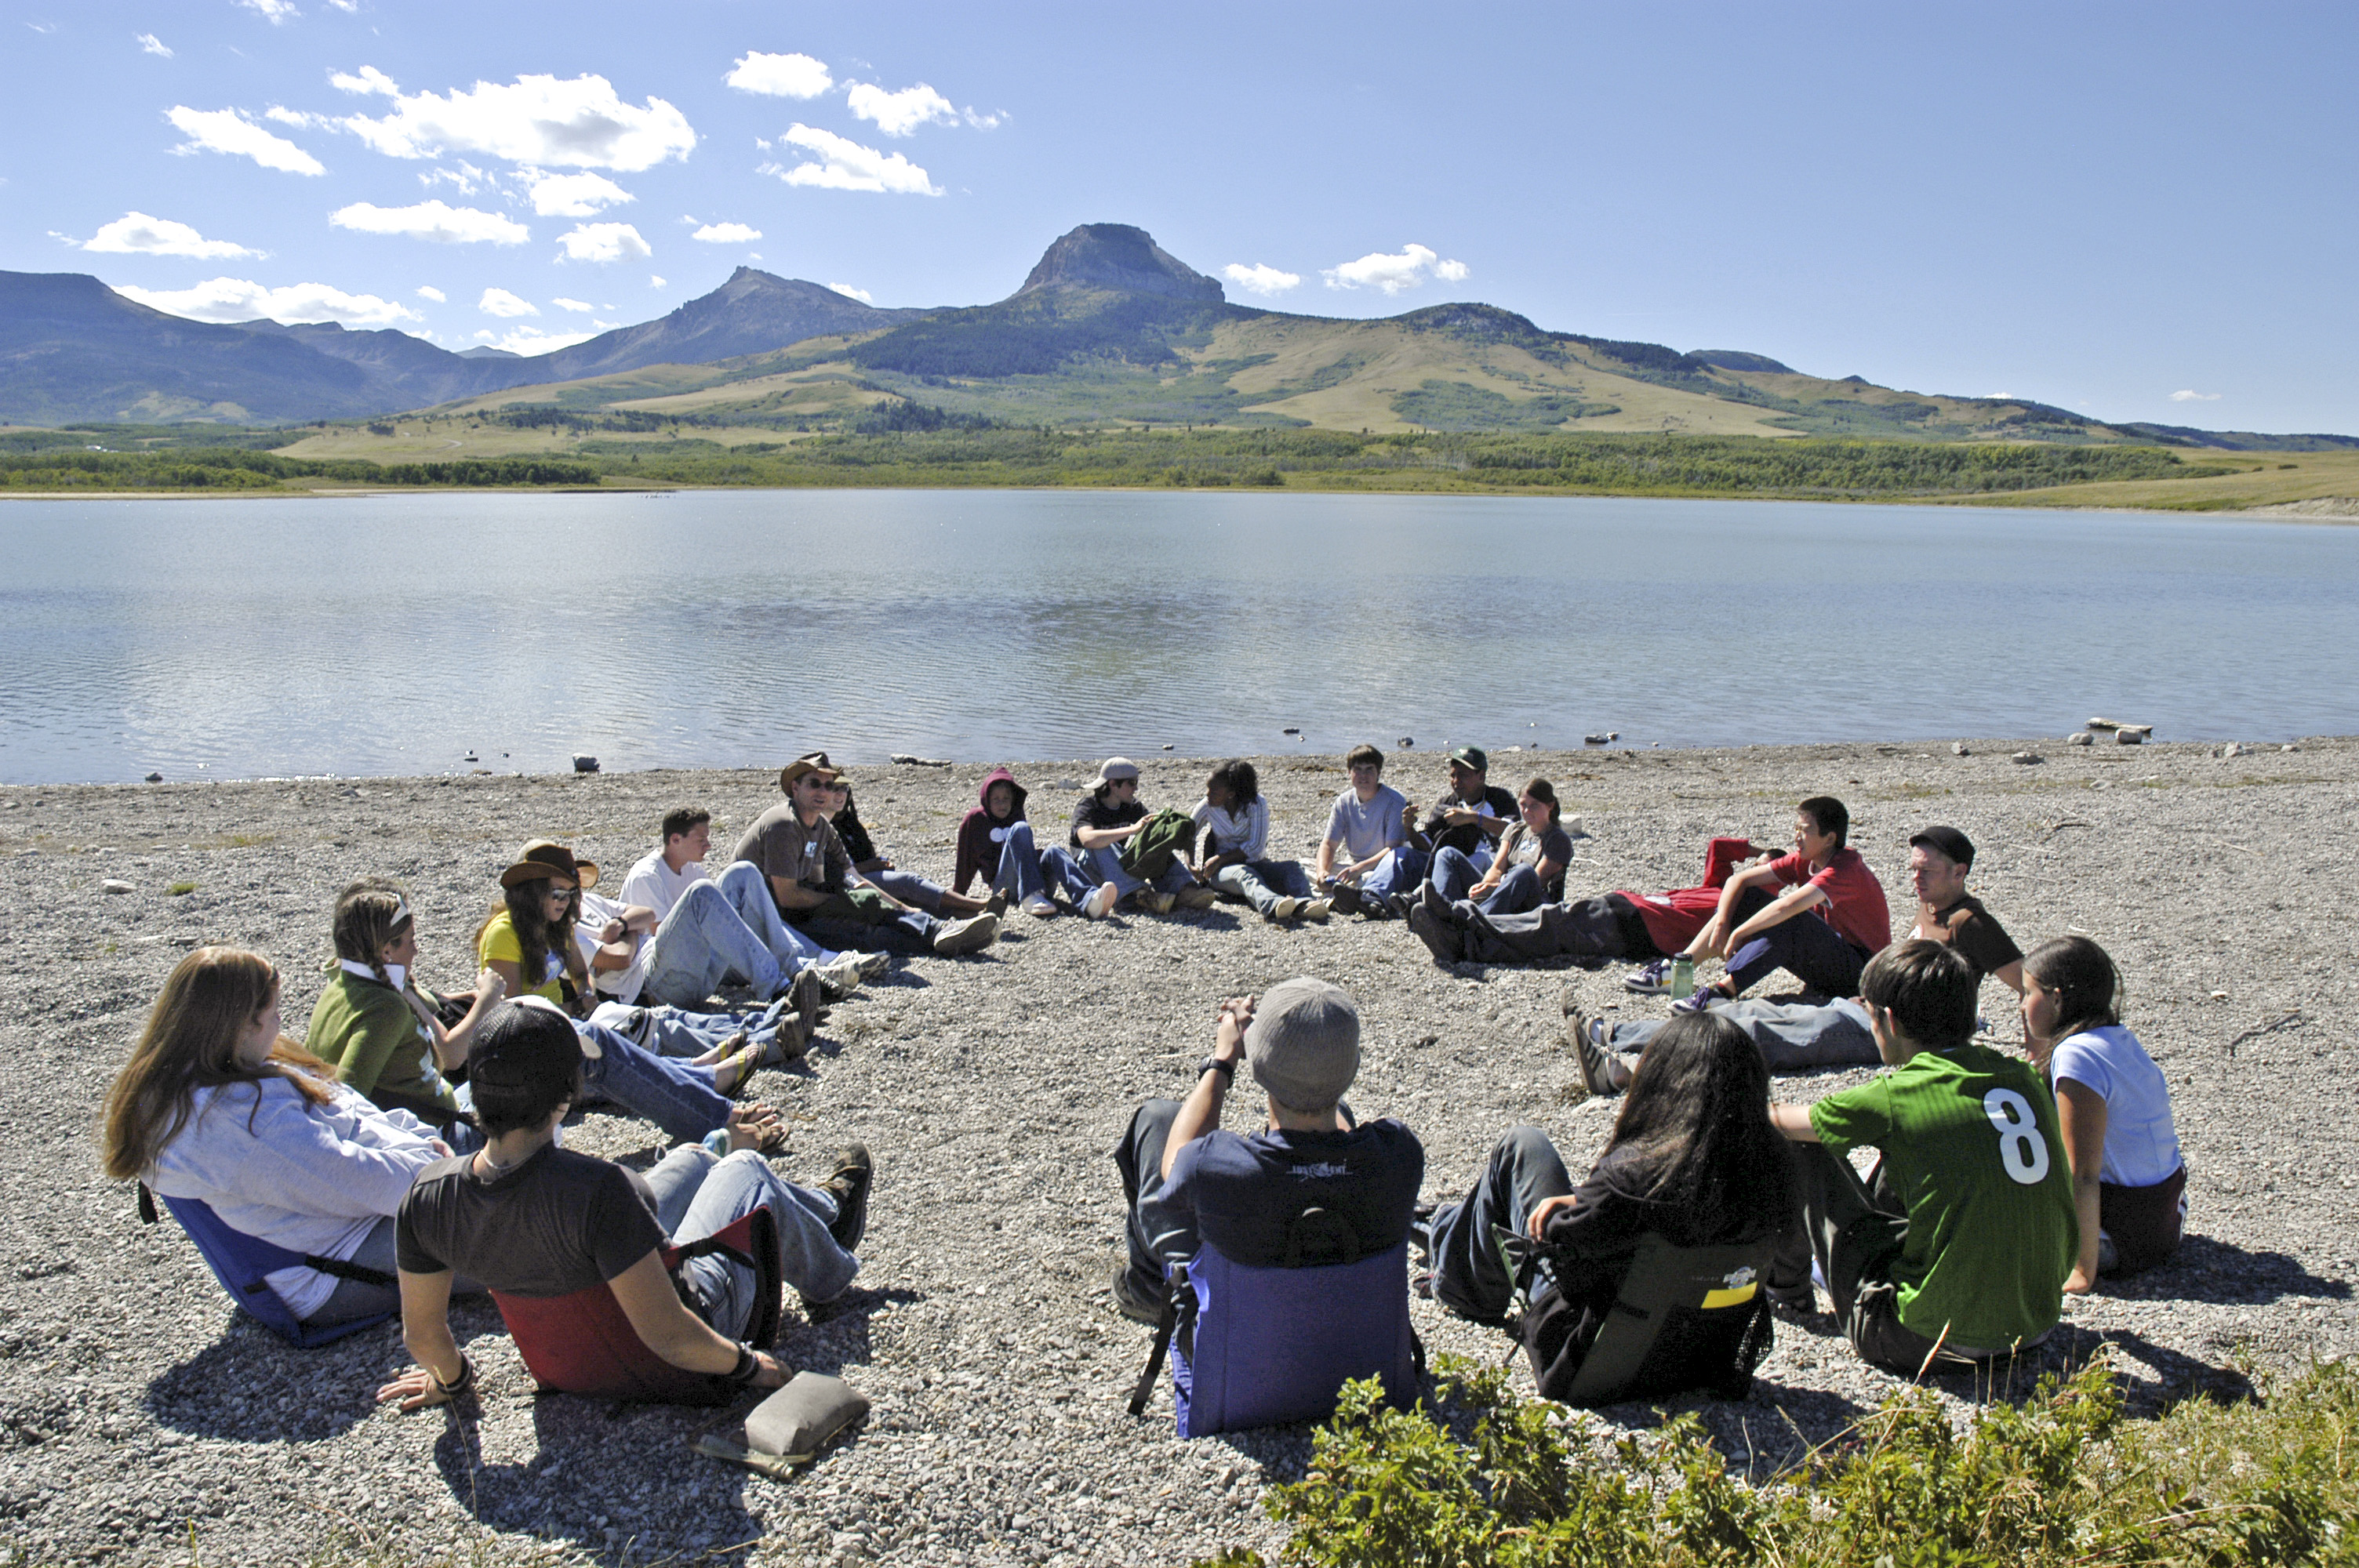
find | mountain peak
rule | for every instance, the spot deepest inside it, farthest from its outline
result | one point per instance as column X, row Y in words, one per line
column 1118, row 256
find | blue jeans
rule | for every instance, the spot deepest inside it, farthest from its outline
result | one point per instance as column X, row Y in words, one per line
column 1788, row 1034
column 1027, row 870
column 1455, row 872
column 698, row 1192
column 1263, row 882
column 678, row 1031
column 1805, row 946
column 909, row 888
column 1399, row 871
column 1108, row 864
column 677, row 1098
column 1468, row 1273
column 726, row 927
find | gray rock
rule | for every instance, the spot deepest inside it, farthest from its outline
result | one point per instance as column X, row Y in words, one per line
column 585, row 764
column 2080, row 738
column 2130, row 737
column 2026, row 759
column 2231, row 749
column 116, row 885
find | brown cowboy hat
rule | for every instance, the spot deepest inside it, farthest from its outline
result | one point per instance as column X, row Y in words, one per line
column 546, row 857
column 809, row 763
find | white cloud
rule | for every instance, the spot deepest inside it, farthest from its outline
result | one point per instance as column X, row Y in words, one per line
column 536, row 120
column 427, row 291
column 150, row 44
column 227, row 131
column 602, row 242
column 533, row 340
column 2192, row 397
column 846, row 165
column 437, row 221
column 1260, row 278
column 136, row 234
column 576, row 305
column 273, row 11
column 573, row 195
column 851, row 293
column 655, row 283
column 500, row 302
column 983, row 122
column 1393, row 274
column 236, row 299
column 466, row 179
column 899, row 113
column 349, row 7
column 779, row 75
column 368, row 80
column 726, row 234
column 302, row 119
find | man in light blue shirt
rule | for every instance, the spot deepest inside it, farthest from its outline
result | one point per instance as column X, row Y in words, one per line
column 1369, row 822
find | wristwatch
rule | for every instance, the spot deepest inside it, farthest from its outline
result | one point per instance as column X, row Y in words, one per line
column 1228, row 1070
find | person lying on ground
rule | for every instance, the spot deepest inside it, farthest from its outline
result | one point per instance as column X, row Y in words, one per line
column 217, row 1105
column 1232, row 833
column 795, row 848
column 379, row 1029
column 1823, row 929
column 1800, row 1035
column 527, row 1217
column 2129, row 1183
column 1692, row 1159
column 1117, row 840
column 1187, row 1182
column 1622, row 925
column 688, row 1099
column 676, row 933
column 995, row 842
column 1527, row 871
column 1957, row 1248
column 1367, row 822
column 906, row 886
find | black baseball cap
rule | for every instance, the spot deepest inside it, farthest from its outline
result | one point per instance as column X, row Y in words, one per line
column 1947, row 841
column 526, row 1043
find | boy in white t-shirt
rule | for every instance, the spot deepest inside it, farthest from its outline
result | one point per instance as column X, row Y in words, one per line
column 1366, row 824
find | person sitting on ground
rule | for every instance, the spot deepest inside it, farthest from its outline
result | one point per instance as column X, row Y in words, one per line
column 810, row 877
column 687, row 1099
column 215, row 1104
column 1116, row 840
column 1368, row 822
column 995, row 842
column 1232, row 832
column 676, row 933
column 2129, row 1184
column 1958, row 1246
column 1468, row 817
column 530, row 1218
column 379, row 1029
column 1187, row 1182
column 906, row 886
column 1590, row 931
column 1527, row 871
column 1793, row 1035
column 1757, row 935
column 1692, row 1159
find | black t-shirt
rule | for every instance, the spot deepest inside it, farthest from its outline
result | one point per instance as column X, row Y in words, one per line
column 1091, row 812
column 560, row 1222
column 1967, row 929
column 854, row 834
column 1467, row 838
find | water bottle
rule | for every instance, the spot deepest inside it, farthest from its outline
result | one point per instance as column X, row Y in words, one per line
column 1683, row 979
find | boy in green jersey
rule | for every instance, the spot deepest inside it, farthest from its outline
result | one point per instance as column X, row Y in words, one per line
column 1957, row 1245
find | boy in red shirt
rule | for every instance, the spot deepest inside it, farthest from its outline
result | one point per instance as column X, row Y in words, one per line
column 1822, row 928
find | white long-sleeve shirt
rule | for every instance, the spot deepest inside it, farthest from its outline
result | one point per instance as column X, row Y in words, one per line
column 1232, row 833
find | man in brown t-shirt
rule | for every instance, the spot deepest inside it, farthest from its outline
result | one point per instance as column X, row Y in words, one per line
column 810, row 875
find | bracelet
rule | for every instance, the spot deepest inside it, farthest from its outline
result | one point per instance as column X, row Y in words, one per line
column 464, row 1381
column 748, row 1368
column 1227, row 1070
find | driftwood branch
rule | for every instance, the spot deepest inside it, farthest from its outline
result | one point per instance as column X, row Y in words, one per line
column 2271, row 1027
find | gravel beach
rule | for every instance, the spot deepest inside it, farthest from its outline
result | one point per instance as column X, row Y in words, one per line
column 143, row 1418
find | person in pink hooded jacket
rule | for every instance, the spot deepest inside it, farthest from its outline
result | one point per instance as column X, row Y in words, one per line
column 995, row 842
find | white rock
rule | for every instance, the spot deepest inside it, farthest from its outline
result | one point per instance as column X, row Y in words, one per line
column 1960, row 748
column 116, row 885
column 2130, row 737
column 2080, row 738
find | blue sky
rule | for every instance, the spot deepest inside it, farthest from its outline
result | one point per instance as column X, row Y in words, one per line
column 2137, row 212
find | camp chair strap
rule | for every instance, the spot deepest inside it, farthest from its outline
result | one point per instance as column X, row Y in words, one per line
column 360, row 1275
column 147, row 1215
column 1163, row 1325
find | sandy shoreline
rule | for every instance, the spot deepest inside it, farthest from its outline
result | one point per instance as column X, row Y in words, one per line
column 991, row 1089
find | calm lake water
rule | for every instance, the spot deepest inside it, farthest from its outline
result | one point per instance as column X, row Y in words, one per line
column 230, row 639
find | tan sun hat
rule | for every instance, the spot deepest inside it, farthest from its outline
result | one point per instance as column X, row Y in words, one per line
column 809, row 763
column 546, row 857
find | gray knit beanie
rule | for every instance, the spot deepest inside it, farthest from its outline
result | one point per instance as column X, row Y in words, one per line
column 1304, row 1044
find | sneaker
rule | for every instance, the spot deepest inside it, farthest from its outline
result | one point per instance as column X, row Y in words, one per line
column 1706, row 996
column 1588, row 1038
column 1100, row 904
column 1157, row 903
column 1400, row 903
column 855, row 1172
column 1344, row 896
column 1653, row 979
column 792, row 1041
column 1316, row 909
column 838, row 979
column 1286, row 909
column 1039, row 906
column 873, row 966
column 1377, row 905
column 1439, row 939
column 1148, row 1310
column 971, row 934
column 1198, row 897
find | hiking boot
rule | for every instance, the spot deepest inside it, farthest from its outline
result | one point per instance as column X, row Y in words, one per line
column 1148, row 1310
column 971, row 934
column 1198, row 897
column 1285, row 909
column 839, row 979
column 1039, row 906
column 1344, row 896
column 1652, row 979
column 1100, row 904
column 1157, row 903
column 855, row 1172
column 1440, row 938
column 1706, row 996
column 1316, row 909
column 1587, row 1036
column 873, row 966
column 1801, row 1300
column 996, row 904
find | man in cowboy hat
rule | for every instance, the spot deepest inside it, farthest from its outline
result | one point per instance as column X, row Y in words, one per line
column 796, row 847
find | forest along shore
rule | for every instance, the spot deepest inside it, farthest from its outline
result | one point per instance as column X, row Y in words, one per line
column 990, row 1090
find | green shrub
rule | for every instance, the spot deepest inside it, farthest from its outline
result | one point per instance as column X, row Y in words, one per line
column 2062, row 1478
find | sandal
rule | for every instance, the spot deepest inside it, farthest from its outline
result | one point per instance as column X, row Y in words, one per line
column 734, row 1074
